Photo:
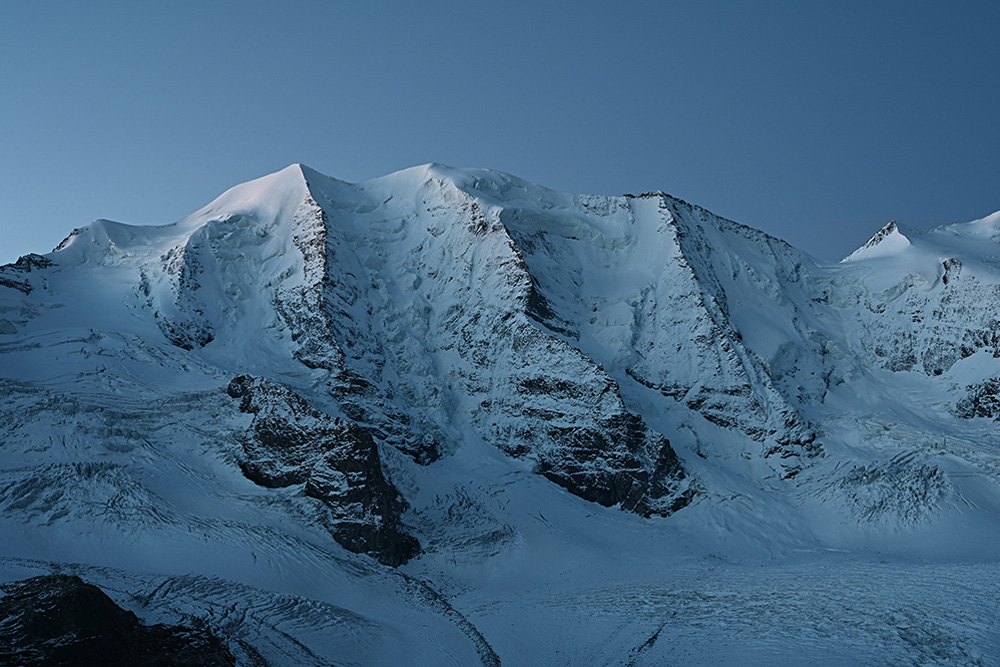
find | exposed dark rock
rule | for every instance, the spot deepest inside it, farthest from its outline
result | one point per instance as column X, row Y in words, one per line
column 540, row 310
column 335, row 460
column 982, row 400
column 620, row 463
column 929, row 330
column 57, row 620
column 952, row 270
column 13, row 283
column 319, row 318
column 183, row 334
column 187, row 327
column 11, row 275
column 27, row 263
column 789, row 440
column 478, row 224
column 881, row 235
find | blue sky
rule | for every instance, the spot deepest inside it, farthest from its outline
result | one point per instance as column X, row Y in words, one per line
column 816, row 122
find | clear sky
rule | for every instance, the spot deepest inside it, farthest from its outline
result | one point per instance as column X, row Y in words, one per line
column 814, row 121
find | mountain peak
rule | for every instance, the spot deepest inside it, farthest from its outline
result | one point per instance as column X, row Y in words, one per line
column 264, row 407
column 262, row 198
column 889, row 240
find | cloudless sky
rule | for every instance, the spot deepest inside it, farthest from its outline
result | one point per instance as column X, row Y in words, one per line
column 814, row 121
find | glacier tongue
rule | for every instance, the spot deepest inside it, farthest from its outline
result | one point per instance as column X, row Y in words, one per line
column 426, row 363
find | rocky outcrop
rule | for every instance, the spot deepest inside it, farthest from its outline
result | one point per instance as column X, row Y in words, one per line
column 183, row 320
column 13, row 275
column 668, row 326
column 622, row 463
column 335, row 461
column 982, row 400
column 322, row 315
column 59, row 620
column 429, row 320
column 881, row 235
column 926, row 325
column 539, row 398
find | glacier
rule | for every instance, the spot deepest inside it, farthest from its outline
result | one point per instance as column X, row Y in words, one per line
column 448, row 416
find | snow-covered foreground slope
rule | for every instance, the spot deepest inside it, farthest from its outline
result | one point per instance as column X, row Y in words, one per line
column 451, row 417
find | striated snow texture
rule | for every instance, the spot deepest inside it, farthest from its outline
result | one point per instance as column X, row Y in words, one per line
column 448, row 416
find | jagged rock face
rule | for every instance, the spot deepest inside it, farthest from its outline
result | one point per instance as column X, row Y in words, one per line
column 13, row 275
column 322, row 315
column 60, row 620
column 668, row 327
column 533, row 395
column 465, row 358
column 432, row 314
column 736, row 390
column 880, row 238
column 184, row 324
column 930, row 313
column 436, row 306
column 982, row 400
column 924, row 321
column 630, row 470
column 335, row 461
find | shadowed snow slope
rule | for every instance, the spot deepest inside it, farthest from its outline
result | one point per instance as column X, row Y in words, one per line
column 448, row 416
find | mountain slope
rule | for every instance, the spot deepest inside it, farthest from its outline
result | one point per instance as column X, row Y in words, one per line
column 257, row 405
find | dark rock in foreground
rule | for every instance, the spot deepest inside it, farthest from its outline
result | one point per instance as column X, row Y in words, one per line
column 60, row 620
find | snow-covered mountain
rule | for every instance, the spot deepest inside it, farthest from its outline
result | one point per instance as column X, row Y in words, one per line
column 448, row 416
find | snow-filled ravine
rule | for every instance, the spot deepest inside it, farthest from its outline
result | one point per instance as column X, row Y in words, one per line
column 448, row 416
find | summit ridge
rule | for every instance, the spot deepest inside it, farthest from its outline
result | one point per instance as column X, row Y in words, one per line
column 403, row 420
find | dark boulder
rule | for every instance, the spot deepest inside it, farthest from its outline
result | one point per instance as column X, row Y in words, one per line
column 59, row 620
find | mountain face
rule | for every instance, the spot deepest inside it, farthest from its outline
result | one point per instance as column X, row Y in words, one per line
column 402, row 421
column 335, row 461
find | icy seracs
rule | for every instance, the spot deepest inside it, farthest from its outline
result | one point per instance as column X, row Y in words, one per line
column 264, row 407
